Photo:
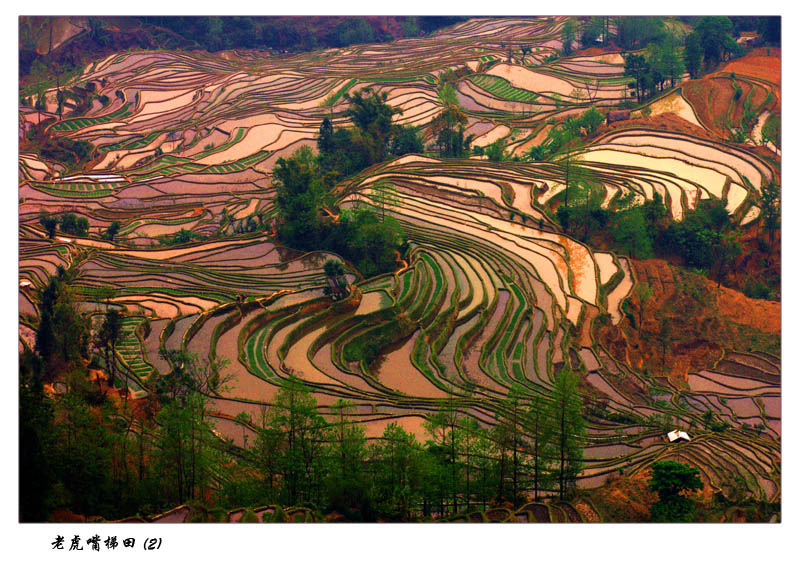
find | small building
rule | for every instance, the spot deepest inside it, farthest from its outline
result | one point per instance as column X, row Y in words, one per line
column 676, row 435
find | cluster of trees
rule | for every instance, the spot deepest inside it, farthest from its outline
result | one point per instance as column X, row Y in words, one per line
column 567, row 134
column 447, row 128
column 661, row 62
column 705, row 239
column 709, row 44
column 72, row 153
column 303, row 459
column 361, row 235
column 304, row 182
column 282, row 33
column 373, row 138
column 673, row 480
column 87, row 452
column 68, row 223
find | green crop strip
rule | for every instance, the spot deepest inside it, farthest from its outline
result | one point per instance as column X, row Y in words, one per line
column 75, row 124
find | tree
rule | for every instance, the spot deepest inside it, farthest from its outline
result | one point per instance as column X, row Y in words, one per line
column 384, row 194
column 591, row 31
column 445, row 444
column 447, row 128
column 40, row 104
column 372, row 117
column 636, row 66
column 636, row 31
column 334, row 271
column 112, row 230
column 566, row 429
column 36, row 442
column 644, row 292
column 726, row 249
column 346, row 482
column 568, row 36
column 63, row 333
column 407, row 141
column 671, row 480
column 665, row 337
column 300, row 189
column 69, row 223
column 770, row 203
column 715, row 39
column 630, row 231
column 50, row 223
column 187, row 455
column 470, row 434
column 398, row 473
column 301, row 431
column 540, row 447
column 671, row 60
column 109, row 335
column 495, row 151
column 513, row 430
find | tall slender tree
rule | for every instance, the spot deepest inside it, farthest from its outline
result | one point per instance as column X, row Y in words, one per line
column 566, row 429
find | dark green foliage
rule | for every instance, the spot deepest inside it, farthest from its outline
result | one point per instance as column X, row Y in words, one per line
column 770, row 29
column 372, row 118
column 638, row 31
column 406, row 141
column 591, row 31
column 566, row 429
column 74, row 225
column 37, row 478
column 337, row 284
column 568, row 36
column 631, row 233
column 370, row 242
column 756, row 289
column 698, row 238
column 771, row 131
column 636, row 66
column 411, row 27
column 350, row 31
column 495, row 151
column 671, row 479
column 112, row 230
column 715, row 39
column 50, row 224
column 300, row 191
column 69, row 151
column 182, row 236
column 108, row 336
column 63, row 333
column 693, row 54
column 304, row 181
column 293, row 433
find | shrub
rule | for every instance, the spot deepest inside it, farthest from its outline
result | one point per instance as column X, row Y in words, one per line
column 249, row 516
column 756, row 289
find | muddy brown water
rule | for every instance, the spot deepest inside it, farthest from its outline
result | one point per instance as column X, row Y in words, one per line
column 398, row 373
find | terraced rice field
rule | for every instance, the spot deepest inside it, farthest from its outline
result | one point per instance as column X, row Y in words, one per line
column 495, row 296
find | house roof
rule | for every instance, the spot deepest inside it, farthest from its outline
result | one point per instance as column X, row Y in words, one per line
column 675, row 435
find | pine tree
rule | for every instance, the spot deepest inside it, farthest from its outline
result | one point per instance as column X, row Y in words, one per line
column 566, row 429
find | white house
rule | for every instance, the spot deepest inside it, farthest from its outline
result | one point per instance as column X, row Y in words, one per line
column 676, row 435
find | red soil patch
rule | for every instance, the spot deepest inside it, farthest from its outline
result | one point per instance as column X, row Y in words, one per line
column 625, row 498
column 595, row 51
column 710, row 97
column 702, row 320
column 669, row 122
column 763, row 67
